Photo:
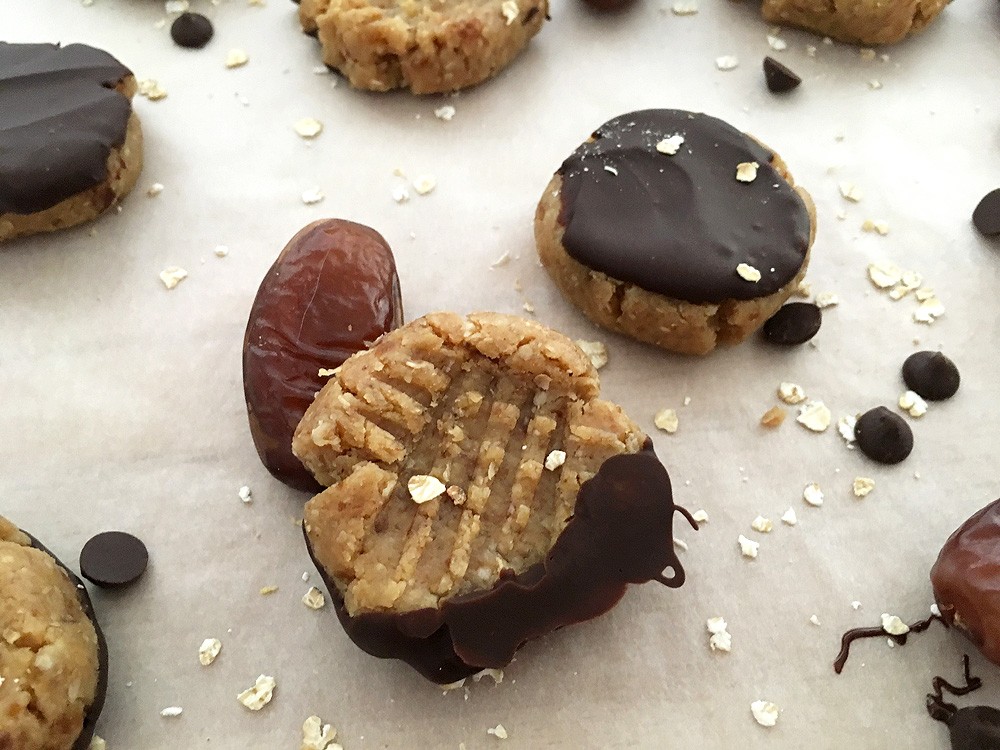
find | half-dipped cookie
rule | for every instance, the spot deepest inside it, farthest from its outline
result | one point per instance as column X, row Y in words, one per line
column 676, row 229
column 479, row 493
column 53, row 658
column 70, row 144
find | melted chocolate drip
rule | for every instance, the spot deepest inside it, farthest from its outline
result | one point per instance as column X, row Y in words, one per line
column 873, row 632
column 621, row 533
column 679, row 225
column 60, row 116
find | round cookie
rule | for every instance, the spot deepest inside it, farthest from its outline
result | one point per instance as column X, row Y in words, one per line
column 70, row 144
column 857, row 21
column 427, row 47
column 53, row 657
column 648, row 229
column 480, row 494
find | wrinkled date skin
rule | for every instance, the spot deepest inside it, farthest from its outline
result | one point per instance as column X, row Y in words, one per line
column 966, row 580
column 331, row 292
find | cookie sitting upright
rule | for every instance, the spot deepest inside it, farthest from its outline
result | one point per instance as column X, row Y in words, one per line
column 70, row 144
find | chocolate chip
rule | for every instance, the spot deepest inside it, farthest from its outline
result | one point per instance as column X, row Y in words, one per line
column 793, row 324
column 975, row 728
column 931, row 375
column 986, row 217
column 113, row 559
column 779, row 78
column 191, row 30
column 883, row 436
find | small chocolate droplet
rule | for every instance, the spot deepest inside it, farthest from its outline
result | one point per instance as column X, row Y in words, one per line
column 931, row 375
column 779, row 78
column 113, row 559
column 883, row 436
column 986, row 217
column 793, row 324
column 191, row 30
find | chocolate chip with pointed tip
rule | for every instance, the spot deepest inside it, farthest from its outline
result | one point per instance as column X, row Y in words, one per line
column 191, row 30
column 986, row 217
column 793, row 324
column 931, row 375
column 779, row 78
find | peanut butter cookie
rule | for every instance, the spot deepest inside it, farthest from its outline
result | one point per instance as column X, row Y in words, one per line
column 858, row 21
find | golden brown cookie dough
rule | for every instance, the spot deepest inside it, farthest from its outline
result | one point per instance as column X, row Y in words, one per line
column 454, row 450
column 706, row 232
column 859, row 21
column 428, row 47
column 49, row 654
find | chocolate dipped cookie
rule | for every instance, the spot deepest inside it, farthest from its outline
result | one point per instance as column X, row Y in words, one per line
column 70, row 144
column 676, row 229
column 426, row 47
column 479, row 493
column 53, row 657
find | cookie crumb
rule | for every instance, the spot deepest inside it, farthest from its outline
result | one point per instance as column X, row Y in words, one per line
column 746, row 171
column 874, row 84
column 246, row 495
column 236, row 58
column 814, row 415
column 457, row 494
column 671, row 144
column 773, row 417
column 314, row 598
column 789, row 517
column 720, row 639
column 826, row 299
column 498, row 731
column 312, row 196
column 912, row 404
column 152, row 90
column 97, row 743
column 308, row 127
column 791, row 393
column 851, row 192
column 748, row 272
column 748, row 547
column 171, row 711
column 892, row 625
column 700, row 516
column 776, row 43
column 879, row 226
column 666, row 420
column 510, row 11
column 221, row 251
column 726, row 62
column 258, row 696
column 400, row 194
column 318, row 736
column 424, row 184
column 765, row 713
column 761, row 524
column 446, row 113
column 171, row 276
column 596, row 351
column 845, row 426
column 424, row 488
column 155, row 189
column 804, row 289
column 814, row 620
column 813, row 495
column 680, row 544
column 495, row 674
column 555, row 459
column 684, row 8
column 268, row 590
column 862, row 486
column 855, row 605
column 208, row 650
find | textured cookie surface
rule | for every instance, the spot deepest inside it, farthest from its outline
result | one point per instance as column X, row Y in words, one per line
column 646, row 228
column 70, row 145
column 479, row 404
column 861, row 21
column 428, row 47
column 49, row 651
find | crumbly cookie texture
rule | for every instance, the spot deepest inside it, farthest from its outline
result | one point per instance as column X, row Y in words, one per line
column 48, row 650
column 858, row 21
column 124, row 165
column 673, row 324
column 434, row 444
column 429, row 47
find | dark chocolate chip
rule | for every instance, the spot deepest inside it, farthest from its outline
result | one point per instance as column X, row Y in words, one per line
column 975, row 728
column 986, row 217
column 793, row 324
column 931, row 375
column 883, row 436
column 779, row 78
column 191, row 30
column 113, row 559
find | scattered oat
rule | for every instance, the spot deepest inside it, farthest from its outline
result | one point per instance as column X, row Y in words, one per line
column 827, row 299
column 893, row 625
column 555, row 459
column 155, row 189
column 312, row 196
column 687, row 401
column 813, row 495
column 208, row 650
column 236, row 58
column 171, row 276
column 510, row 11
column 498, row 731
column 457, row 494
column 680, row 544
column 789, row 518
column 746, row 171
column 314, row 598
column 862, row 486
column 930, row 310
column 221, row 251
column 761, row 524
column 748, row 272
column 851, row 192
column 171, row 711
column 911, row 403
column 874, row 84
column 529, row 308
column 748, row 547
column 246, row 495
column 666, row 420
column 814, row 415
column 866, row 54
column 318, row 736
column 325, row 372
column 682, row 8
column 96, row 743
column 700, row 516
column 400, row 193
column 855, row 605
column 811, row 50
column 424, row 487
column 596, row 351
column 446, row 112
column 814, row 620
column 791, row 393
column 495, row 674
column 175, row 6
column 845, row 426
column 424, row 184
column 721, row 639
column 671, row 144
column 910, row 281
column 776, row 43
column 764, row 713
column 268, row 590
column 258, row 696
column 773, row 417
column 612, row 170
column 308, row 127
column 804, row 289
column 869, row 225
column 726, row 62
column 503, row 260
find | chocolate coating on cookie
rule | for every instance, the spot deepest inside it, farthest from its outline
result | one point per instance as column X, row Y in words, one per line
column 620, row 533
column 680, row 225
column 793, row 324
column 883, row 436
column 931, row 375
column 60, row 116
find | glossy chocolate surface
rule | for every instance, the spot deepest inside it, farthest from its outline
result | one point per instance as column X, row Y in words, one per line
column 191, row 30
column 931, row 375
column 883, row 436
column 966, row 580
column 60, row 116
column 113, row 559
column 986, row 217
column 332, row 291
column 680, row 225
column 793, row 324
column 779, row 78
column 621, row 533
